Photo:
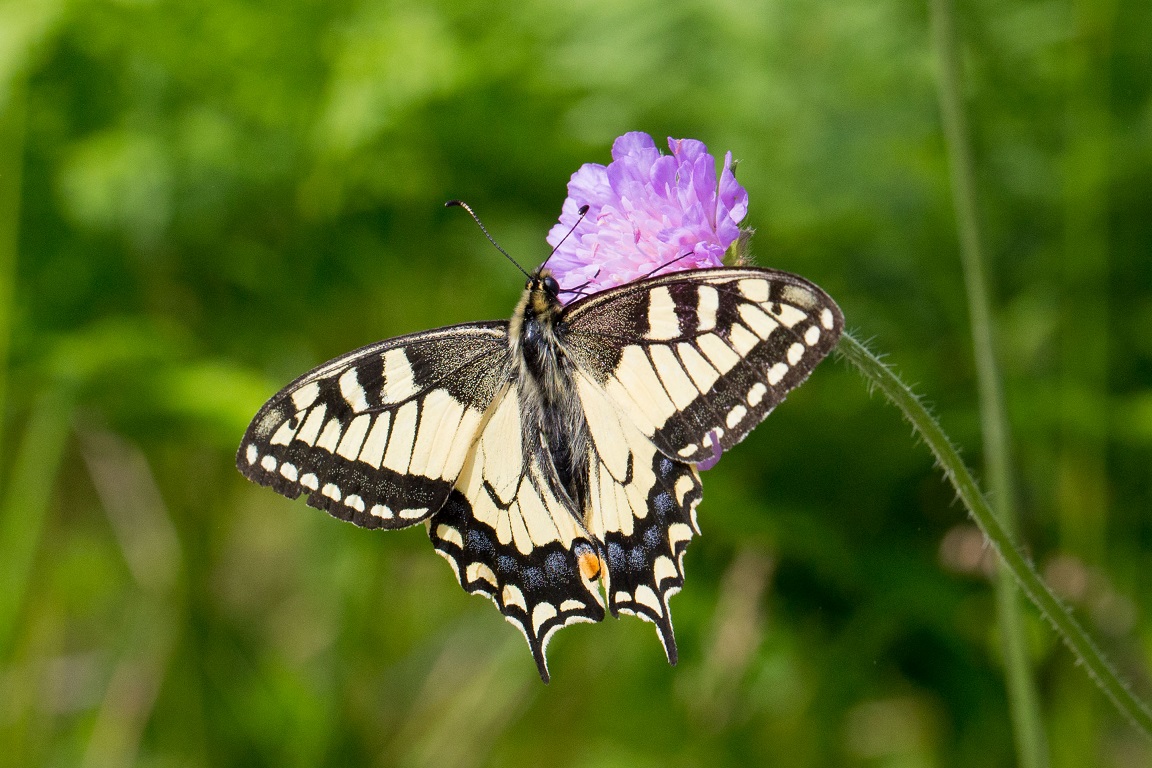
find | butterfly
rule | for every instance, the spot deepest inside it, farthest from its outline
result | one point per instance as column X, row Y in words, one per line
column 552, row 457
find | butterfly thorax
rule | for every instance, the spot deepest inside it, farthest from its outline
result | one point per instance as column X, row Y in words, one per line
column 551, row 414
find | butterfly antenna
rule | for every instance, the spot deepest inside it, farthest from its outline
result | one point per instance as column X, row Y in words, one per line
column 667, row 264
column 579, row 290
column 583, row 213
column 475, row 218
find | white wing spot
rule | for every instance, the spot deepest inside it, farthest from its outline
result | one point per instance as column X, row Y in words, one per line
column 349, row 446
column 352, row 391
column 826, row 318
column 373, row 451
column 688, row 450
column 355, row 502
column 756, row 394
column 702, row 373
column 439, row 422
column 513, row 596
column 310, row 481
column 398, row 382
column 412, row 514
column 758, row 320
column 795, row 352
column 735, row 416
column 311, row 429
column 677, row 533
column 663, row 569
column 789, row 315
column 718, row 352
column 663, row 323
column 382, row 511
column 776, row 373
column 306, row 395
column 268, row 463
column 755, row 289
column 684, row 484
column 676, row 382
column 252, row 453
column 450, row 534
column 399, row 451
column 481, row 572
column 623, row 597
column 286, row 432
column 288, row 471
column 645, row 596
column 812, row 335
column 708, row 301
column 639, row 382
column 331, row 491
column 571, row 605
column 541, row 613
column 742, row 339
column 330, row 436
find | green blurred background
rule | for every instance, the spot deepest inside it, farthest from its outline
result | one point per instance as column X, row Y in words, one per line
column 199, row 201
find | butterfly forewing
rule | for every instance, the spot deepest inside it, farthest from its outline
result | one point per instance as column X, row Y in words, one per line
column 378, row 436
column 698, row 358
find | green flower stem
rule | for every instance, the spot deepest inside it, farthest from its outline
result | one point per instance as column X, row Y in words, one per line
column 1087, row 654
column 1025, row 708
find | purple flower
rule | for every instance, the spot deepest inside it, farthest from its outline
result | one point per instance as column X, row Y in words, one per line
column 647, row 213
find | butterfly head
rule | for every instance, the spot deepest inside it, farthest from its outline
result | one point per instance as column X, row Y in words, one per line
column 543, row 293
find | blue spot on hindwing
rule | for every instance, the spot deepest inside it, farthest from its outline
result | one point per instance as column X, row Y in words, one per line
column 652, row 537
column 478, row 543
column 615, row 556
column 557, row 568
column 533, row 578
column 638, row 559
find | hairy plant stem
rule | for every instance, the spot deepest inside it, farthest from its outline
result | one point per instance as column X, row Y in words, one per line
column 1013, row 560
column 1027, row 723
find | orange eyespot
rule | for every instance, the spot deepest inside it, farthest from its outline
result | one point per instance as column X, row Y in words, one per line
column 589, row 564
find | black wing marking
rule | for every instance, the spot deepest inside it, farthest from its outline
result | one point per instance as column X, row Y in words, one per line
column 509, row 538
column 702, row 356
column 643, row 509
column 379, row 435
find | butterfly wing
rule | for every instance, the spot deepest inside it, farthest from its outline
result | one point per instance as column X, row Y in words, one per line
column 378, row 436
column 671, row 370
column 698, row 358
column 510, row 538
column 643, row 509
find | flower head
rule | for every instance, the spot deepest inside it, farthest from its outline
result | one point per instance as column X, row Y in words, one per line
column 647, row 212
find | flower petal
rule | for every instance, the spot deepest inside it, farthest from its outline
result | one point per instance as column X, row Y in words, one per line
column 647, row 212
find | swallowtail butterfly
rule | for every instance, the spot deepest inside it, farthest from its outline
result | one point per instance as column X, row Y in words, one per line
column 553, row 457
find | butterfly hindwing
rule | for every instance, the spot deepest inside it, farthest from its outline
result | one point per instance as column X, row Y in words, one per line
column 643, row 510
column 379, row 435
column 510, row 538
column 698, row 358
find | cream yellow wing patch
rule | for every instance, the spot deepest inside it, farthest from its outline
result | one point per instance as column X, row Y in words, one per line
column 698, row 358
column 509, row 538
column 643, row 511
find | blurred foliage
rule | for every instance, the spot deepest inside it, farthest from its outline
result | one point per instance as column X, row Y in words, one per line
column 199, row 201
